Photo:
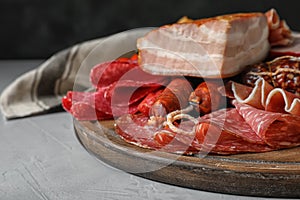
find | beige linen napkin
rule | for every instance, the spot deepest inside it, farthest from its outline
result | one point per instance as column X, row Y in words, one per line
column 40, row 90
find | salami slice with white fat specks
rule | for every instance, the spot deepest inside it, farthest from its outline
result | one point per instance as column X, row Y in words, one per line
column 105, row 74
column 211, row 136
column 107, row 103
column 136, row 130
column 226, row 132
column 233, row 122
column 120, row 86
column 278, row 130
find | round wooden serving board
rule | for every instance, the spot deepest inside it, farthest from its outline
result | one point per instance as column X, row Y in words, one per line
column 271, row 174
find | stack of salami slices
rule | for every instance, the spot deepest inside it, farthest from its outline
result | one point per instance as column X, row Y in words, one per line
column 119, row 87
column 226, row 131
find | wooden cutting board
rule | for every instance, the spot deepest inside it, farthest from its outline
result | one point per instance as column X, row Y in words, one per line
column 271, row 174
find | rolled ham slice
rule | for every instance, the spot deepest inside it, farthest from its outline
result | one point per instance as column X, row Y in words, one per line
column 289, row 50
column 280, row 33
column 216, row 47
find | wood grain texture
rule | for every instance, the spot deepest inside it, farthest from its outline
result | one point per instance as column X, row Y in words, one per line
column 271, row 174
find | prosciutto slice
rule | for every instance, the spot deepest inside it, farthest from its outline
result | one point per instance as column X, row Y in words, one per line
column 264, row 96
column 214, row 47
column 134, row 129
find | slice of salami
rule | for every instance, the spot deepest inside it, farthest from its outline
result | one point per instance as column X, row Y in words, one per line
column 135, row 129
column 120, row 86
column 128, row 94
column 99, row 104
column 82, row 106
column 138, row 77
column 235, row 124
column 226, row 132
column 84, row 111
column 118, row 98
column 278, row 130
column 212, row 138
column 106, row 73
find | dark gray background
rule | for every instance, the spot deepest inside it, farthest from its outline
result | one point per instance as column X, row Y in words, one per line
column 39, row 28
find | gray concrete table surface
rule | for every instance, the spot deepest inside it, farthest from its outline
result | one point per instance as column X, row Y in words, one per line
column 41, row 158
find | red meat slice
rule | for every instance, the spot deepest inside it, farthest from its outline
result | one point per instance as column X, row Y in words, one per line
column 228, row 133
column 211, row 136
column 85, row 111
column 101, row 105
column 278, row 130
column 232, row 122
column 290, row 50
column 106, row 73
column 120, row 86
column 135, row 130
column 82, row 110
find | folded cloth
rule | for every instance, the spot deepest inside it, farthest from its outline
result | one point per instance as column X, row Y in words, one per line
column 40, row 90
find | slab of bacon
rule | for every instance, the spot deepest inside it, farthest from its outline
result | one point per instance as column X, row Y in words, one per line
column 215, row 47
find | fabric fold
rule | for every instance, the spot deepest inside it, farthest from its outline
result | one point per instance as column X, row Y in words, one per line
column 41, row 89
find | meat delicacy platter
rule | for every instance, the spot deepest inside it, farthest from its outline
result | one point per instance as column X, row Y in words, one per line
column 210, row 104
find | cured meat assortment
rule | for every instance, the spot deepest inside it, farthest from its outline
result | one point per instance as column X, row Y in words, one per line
column 170, row 97
column 227, row 131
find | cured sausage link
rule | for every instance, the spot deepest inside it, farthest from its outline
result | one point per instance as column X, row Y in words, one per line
column 206, row 97
column 174, row 97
